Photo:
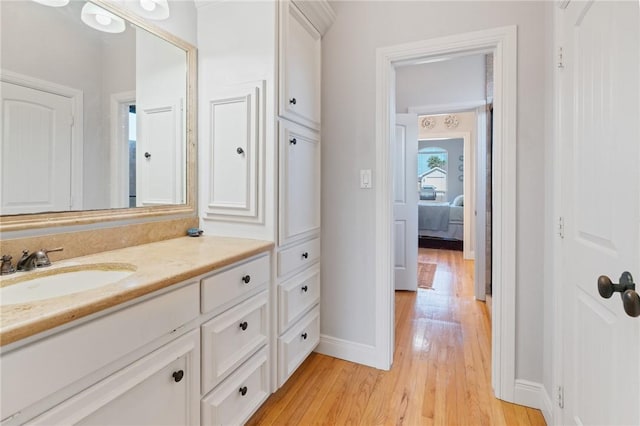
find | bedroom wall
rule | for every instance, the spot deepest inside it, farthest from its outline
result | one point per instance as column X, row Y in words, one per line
column 455, row 149
column 348, row 132
column 456, row 81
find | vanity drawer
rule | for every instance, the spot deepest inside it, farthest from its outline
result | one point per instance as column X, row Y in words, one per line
column 298, row 256
column 230, row 285
column 231, row 338
column 296, row 296
column 240, row 395
column 296, row 344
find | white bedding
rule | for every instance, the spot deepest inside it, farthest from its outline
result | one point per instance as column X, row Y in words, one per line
column 440, row 220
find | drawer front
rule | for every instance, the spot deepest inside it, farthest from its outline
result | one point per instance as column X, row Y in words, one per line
column 298, row 256
column 231, row 338
column 296, row 296
column 240, row 395
column 296, row 344
column 231, row 285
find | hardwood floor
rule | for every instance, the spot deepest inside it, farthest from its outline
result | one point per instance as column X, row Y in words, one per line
column 441, row 370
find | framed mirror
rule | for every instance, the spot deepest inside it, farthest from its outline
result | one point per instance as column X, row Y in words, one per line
column 98, row 115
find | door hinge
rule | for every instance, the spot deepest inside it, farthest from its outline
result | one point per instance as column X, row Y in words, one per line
column 560, row 58
column 560, row 397
column 561, row 226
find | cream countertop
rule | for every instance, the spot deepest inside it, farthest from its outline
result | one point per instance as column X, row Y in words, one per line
column 158, row 265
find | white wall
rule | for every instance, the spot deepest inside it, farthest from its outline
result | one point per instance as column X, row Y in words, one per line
column 348, row 132
column 455, row 81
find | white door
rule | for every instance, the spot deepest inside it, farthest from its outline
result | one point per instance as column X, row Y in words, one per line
column 405, row 202
column 480, row 249
column 600, row 201
column 36, row 151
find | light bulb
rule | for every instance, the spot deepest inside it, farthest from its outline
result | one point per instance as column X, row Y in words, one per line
column 148, row 5
column 103, row 19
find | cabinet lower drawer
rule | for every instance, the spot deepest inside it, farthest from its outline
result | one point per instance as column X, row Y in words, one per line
column 238, row 397
column 298, row 256
column 226, row 287
column 231, row 338
column 296, row 344
column 296, row 296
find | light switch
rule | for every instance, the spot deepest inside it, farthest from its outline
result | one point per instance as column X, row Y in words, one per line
column 365, row 179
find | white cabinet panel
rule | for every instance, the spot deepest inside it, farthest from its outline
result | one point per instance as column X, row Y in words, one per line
column 297, row 295
column 300, row 67
column 231, row 338
column 299, row 182
column 227, row 287
column 159, row 389
column 235, row 146
column 298, row 256
column 295, row 345
column 238, row 397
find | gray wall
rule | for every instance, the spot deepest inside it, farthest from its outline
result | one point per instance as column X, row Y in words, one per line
column 457, row 80
column 348, row 132
column 455, row 148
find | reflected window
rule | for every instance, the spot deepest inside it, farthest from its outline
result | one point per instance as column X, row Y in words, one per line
column 432, row 173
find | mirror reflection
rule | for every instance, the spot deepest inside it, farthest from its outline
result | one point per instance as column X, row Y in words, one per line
column 93, row 110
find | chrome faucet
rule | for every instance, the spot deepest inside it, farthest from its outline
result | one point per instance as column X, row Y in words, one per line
column 37, row 259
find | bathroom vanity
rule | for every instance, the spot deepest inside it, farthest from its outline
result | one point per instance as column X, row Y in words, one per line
column 183, row 339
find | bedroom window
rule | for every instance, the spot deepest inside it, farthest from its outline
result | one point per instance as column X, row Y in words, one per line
column 432, row 173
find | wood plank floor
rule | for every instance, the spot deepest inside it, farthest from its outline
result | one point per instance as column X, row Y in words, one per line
column 441, row 370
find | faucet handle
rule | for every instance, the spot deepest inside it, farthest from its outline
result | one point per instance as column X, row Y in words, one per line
column 42, row 258
column 7, row 268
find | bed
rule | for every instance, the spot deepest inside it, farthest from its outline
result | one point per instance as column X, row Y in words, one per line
column 441, row 219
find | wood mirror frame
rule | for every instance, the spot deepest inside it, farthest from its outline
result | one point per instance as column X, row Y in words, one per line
column 68, row 218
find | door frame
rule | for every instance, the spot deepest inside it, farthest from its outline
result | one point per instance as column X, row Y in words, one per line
column 77, row 129
column 503, row 43
column 119, row 147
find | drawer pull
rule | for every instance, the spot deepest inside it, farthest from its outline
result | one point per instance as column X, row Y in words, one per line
column 178, row 375
column 305, row 255
column 246, row 279
column 292, row 101
column 244, row 325
column 293, row 141
column 305, row 288
column 304, row 336
column 243, row 390
column 240, row 150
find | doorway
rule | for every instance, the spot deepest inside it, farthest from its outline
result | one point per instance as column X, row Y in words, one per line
column 503, row 43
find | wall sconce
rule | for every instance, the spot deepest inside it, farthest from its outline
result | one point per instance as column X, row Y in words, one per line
column 150, row 9
column 101, row 20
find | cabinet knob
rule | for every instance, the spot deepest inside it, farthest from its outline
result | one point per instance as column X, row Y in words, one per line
column 246, row 279
column 292, row 101
column 147, row 155
column 243, row 390
column 244, row 325
column 305, row 255
column 178, row 375
column 304, row 336
column 293, row 141
column 305, row 288
column 240, row 150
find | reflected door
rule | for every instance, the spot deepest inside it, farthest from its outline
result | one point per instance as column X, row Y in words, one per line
column 36, row 151
column 600, row 202
column 405, row 202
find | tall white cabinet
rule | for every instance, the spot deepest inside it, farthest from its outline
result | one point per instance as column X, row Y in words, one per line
column 260, row 151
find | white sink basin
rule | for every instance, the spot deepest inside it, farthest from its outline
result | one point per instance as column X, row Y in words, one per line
column 46, row 284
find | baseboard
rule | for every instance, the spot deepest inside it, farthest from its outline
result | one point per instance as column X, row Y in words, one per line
column 534, row 395
column 349, row 351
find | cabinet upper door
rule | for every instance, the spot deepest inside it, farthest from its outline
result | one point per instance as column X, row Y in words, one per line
column 300, row 67
column 299, row 183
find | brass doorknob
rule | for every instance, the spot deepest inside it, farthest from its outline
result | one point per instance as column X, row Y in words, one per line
column 631, row 303
column 627, row 290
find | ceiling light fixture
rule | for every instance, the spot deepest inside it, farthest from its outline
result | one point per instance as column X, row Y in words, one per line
column 150, row 9
column 53, row 3
column 101, row 20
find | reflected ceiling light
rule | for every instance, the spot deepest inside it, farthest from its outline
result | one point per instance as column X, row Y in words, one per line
column 151, row 9
column 53, row 3
column 98, row 18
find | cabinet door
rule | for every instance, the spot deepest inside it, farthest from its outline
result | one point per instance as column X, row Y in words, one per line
column 159, row 389
column 300, row 57
column 299, row 183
